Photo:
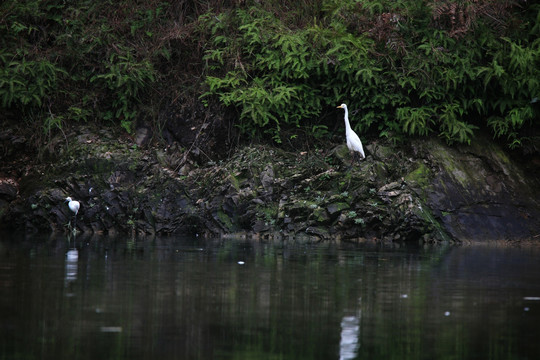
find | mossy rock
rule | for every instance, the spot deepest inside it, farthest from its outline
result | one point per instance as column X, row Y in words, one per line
column 320, row 215
column 337, row 207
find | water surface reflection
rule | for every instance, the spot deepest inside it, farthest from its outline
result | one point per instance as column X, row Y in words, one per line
column 178, row 298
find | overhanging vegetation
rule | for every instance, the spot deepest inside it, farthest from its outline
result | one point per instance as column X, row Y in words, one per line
column 406, row 67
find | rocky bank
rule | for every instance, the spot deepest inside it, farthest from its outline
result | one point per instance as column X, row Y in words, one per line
column 420, row 191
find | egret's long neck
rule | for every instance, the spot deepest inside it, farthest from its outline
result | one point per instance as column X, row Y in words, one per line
column 347, row 124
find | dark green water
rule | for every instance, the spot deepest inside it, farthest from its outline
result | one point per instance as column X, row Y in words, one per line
column 174, row 298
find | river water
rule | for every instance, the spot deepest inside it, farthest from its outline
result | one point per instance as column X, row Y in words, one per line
column 188, row 298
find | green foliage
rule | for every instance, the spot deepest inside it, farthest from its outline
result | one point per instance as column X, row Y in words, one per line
column 125, row 78
column 415, row 120
column 63, row 61
column 270, row 90
column 26, row 82
column 277, row 76
column 405, row 67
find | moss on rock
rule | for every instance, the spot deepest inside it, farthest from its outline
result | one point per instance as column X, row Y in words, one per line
column 389, row 195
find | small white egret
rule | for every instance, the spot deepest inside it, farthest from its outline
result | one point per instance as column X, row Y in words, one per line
column 353, row 141
column 74, row 205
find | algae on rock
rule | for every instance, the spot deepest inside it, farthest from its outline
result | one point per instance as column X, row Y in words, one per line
column 425, row 191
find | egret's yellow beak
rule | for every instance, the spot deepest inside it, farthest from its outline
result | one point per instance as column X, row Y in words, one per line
column 340, row 107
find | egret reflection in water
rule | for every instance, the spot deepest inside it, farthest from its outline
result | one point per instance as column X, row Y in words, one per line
column 72, row 264
column 350, row 333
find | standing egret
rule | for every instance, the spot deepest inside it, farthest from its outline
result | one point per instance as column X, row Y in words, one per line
column 353, row 141
column 74, row 206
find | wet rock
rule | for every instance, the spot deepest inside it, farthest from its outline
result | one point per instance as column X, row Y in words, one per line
column 184, row 170
column 391, row 190
column 342, row 153
column 258, row 201
column 389, row 187
column 477, row 193
column 318, row 231
column 260, row 226
column 301, row 208
column 11, row 143
column 143, row 136
column 8, row 189
column 379, row 151
column 267, row 180
column 337, row 207
column 321, row 216
column 223, row 220
column 460, row 193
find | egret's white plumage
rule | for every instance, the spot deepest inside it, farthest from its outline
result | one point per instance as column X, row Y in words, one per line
column 73, row 205
column 353, row 141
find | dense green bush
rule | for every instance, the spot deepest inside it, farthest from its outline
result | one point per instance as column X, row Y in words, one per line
column 125, row 77
column 88, row 60
column 277, row 76
column 407, row 67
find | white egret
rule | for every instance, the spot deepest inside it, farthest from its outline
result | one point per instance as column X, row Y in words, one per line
column 353, row 141
column 74, row 206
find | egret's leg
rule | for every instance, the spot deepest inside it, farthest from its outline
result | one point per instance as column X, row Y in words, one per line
column 355, row 156
column 352, row 159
